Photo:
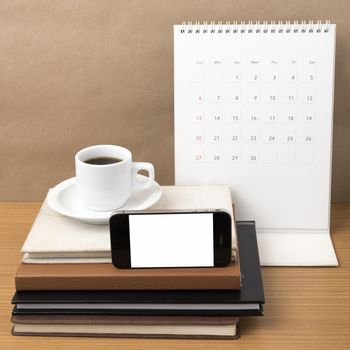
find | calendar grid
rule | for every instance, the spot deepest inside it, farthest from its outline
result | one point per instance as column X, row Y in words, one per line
column 254, row 109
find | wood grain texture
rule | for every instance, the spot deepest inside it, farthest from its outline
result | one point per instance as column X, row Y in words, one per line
column 306, row 308
column 84, row 72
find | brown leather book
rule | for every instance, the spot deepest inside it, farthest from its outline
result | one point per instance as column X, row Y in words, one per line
column 107, row 277
column 214, row 327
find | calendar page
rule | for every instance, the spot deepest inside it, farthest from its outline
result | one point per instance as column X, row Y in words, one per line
column 254, row 109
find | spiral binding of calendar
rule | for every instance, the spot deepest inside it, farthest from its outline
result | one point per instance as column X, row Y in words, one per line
column 255, row 27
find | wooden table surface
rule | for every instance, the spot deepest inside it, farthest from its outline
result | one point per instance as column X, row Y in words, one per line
column 306, row 308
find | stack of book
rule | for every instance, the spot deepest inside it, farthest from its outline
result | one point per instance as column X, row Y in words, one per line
column 67, row 286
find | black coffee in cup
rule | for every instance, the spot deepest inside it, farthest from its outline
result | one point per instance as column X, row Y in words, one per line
column 106, row 176
column 102, row 160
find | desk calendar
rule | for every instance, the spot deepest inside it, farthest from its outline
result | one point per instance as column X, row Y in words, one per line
column 254, row 109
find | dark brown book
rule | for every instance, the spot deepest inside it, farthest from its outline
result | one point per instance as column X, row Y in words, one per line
column 36, row 277
column 224, row 327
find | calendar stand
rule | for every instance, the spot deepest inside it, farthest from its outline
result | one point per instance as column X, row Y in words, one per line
column 254, row 109
column 296, row 249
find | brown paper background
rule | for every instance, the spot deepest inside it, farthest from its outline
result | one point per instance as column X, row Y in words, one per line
column 77, row 73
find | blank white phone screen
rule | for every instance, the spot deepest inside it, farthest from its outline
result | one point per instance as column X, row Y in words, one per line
column 171, row 240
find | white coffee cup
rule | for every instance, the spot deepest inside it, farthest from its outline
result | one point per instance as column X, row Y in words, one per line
column 107, row 187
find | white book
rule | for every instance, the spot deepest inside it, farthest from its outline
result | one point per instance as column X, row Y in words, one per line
column 55, row 238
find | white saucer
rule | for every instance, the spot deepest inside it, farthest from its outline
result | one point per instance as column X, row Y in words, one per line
column 64, row 199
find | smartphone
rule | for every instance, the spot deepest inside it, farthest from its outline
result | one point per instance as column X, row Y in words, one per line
column 156, row 239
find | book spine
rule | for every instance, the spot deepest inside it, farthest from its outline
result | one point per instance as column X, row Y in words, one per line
column 69, row 283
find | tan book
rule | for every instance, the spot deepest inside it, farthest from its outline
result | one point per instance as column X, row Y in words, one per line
column 223, row 327
column 56, row 239
column 107, row 277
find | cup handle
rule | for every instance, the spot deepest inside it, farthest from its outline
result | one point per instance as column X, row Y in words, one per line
column 135, row 168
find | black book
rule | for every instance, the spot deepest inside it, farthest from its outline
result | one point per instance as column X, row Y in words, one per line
column 247, row 301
